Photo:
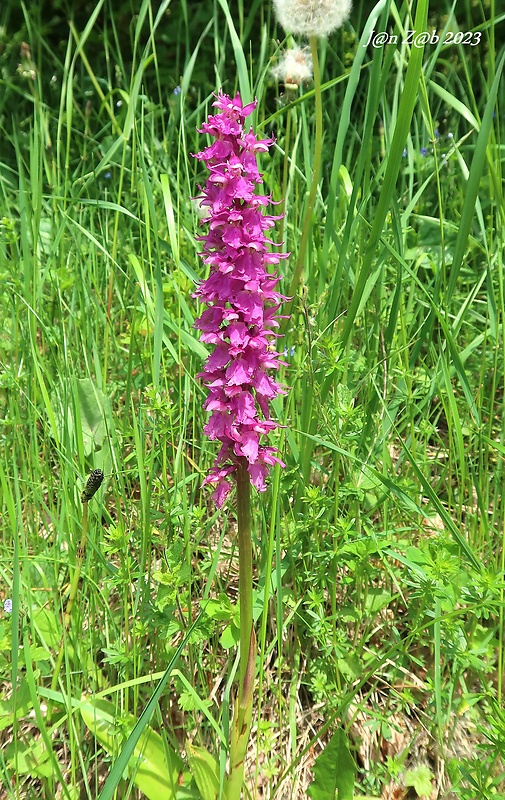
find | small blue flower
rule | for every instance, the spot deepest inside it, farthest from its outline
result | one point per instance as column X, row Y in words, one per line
column 404, row 154
column 107, row 175
column 436, row 133
column 424, row 152
column 8, row 606
column 287, row 353
column 177, row 90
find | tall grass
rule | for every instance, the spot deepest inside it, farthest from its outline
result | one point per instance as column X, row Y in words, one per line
column 379, row 554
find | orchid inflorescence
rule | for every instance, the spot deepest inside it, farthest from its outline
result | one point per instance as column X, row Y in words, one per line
column 241, row 318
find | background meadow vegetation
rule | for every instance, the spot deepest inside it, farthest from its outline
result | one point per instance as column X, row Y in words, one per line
column 379, row 552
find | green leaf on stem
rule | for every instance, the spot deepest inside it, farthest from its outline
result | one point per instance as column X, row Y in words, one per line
column 205, row 770
column 154, row 767
column 334, row 771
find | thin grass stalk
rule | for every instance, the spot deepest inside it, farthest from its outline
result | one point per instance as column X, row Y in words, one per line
column 268, row 561
column 91, row 487
column 285, row 175
column 70, row 602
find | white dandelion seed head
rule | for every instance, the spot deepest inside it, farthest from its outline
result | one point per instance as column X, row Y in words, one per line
column 295, row 67
column 312, row 17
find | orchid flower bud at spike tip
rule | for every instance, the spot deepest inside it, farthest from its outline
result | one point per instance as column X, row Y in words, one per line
column 241, row 317
column 312, row 17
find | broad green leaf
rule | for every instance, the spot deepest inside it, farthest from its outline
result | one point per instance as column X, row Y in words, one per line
column 205, row 771
column 93, row 407
column 29, row 759
column 47, row 626
column 376, row 599
column 21, row 700
column 351, row 667
column 421, row 778
column 334, row 771
column 133, row 740
column 154, row 767
column 229, row 637
column 81, row 411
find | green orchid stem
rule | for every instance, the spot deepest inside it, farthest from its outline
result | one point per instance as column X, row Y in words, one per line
column 71, row 598
column 316, row 172
column 243, row 706
column 245, row 564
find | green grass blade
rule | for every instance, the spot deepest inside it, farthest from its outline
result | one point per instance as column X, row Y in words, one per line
column 472, row 188
column 238, row 51
column 402, row 127
column 121, row 763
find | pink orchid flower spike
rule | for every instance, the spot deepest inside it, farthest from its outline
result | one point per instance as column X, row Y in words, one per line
column 241, row 317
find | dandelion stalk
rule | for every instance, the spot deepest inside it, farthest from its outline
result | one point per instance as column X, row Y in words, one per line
column 316, row 172
column 312, row 18
column 293, row 70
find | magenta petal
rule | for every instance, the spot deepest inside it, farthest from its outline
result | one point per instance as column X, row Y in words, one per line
column 210, row 320
column 239, row 334
column 218, row 359
column 216, row 425
column 246, row 408
column 265, row 385
column 249, row 446
column 221, row 492
column 258, row 473
column 239, row 372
